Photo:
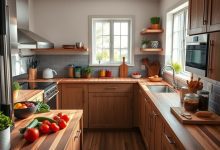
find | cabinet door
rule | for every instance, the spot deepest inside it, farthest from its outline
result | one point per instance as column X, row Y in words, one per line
column 214, row 55
column 198, row 16
column 142, row 114
column 214, row 16
column 75, row 96
column 148, row 123
column 110, row 110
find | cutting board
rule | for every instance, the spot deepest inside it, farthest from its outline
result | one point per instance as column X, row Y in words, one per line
column 153, row 68
column 123, row 69
column 215, row 119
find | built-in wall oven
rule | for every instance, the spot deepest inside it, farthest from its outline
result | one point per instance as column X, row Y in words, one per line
column 197, row 54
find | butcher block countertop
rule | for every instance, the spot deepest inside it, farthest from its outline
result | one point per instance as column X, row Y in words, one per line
column 25, row 95
column 58, row 140
column 195, row 137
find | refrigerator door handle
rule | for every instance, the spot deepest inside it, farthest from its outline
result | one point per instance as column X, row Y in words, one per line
column 3, row 25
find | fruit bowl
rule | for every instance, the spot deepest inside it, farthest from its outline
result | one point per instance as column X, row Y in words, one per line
column 136, row 76
column 155, row 79
column 24, row 109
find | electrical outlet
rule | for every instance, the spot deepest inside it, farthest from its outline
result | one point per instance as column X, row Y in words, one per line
column 142, row 67
column 209, row 87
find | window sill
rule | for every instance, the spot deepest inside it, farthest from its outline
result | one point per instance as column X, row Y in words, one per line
column 182, row 77
column 109, row 65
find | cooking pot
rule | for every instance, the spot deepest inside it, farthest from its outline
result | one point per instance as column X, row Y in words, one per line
column 49, row 73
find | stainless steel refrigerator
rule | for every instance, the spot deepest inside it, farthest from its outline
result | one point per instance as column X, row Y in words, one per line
column 8, row 38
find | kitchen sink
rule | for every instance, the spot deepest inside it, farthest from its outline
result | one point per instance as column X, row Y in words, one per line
column 160, row 89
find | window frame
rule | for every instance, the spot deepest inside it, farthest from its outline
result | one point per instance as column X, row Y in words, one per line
column 112, row 19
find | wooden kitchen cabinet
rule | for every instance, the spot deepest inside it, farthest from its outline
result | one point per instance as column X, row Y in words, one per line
column 75, row 96
column 110, row 105
column 142, row 113
column 169, row 140
column 214, row 55
column 204, row 16
column 214, row 16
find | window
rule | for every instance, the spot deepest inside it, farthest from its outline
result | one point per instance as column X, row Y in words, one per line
column 111, row 40
column 179, row 33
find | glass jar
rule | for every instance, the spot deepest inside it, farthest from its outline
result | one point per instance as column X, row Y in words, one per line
column 203, row 100
column 77, row 72
column 191, row 102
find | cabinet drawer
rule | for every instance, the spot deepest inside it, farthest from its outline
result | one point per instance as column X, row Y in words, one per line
column 109, row 88
column 75, row 142
column 169, row 140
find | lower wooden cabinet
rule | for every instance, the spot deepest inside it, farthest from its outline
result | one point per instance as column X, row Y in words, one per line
column 76, row 141
column 169, row 140
column 75, row 96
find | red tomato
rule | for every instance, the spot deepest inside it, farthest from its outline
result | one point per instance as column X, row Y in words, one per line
column 60, row 114
column 62, row 124
column 56, row 118
column 54, row 127
column 44, row 128
column 46, row 122
column 31, row 134
column 65, row 117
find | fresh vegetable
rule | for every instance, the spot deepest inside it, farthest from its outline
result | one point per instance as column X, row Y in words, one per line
column 42, row 107
column 60, row 114
column 66, row 118
column 33, row 124
column 44, row 128
column 5, row 122
column 41, row 119
column 54, row 127
column 47, row 122
column 57, row 118
column 24, row 105
column 31, row 134
column 62, row 124
column 16, row 86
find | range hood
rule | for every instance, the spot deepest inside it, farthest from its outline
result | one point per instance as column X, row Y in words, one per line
column 26, row 38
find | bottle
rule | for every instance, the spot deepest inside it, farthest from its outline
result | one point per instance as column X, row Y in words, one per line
column 77, row 72
column 203, row 100
column 71, row 71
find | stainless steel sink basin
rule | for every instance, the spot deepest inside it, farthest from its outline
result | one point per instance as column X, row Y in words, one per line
column 160, row 89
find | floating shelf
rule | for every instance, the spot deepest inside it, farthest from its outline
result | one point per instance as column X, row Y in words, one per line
column 151, row 31
column 61, row 50
column 151, row 49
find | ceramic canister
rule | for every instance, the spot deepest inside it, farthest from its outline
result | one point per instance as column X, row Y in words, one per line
column 5, row 139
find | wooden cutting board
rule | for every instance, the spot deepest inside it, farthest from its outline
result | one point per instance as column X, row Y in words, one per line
column 215, row 119
column 153, row 68
column 123, row 69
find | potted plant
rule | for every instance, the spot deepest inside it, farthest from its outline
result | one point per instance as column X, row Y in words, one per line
column 32, row 71
column 144, row 43
column 5, row 123
column 177, row 67
column 87, row 72
column 155, row 22
column 16, row 87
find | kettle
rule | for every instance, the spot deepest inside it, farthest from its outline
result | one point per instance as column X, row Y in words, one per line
column 48, row 73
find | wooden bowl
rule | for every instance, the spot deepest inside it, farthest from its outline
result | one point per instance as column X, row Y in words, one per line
column 26, row 112
column 153, row 79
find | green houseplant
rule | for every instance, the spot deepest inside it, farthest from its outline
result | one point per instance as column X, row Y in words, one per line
column 5, row 123
column 16, row 87
column 155, row 22
column 87, row 72
column 144, row 43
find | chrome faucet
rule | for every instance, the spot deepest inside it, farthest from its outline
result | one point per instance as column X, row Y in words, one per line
column 175, row 86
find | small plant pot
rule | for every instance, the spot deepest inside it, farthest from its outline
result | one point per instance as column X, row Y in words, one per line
column 15, row 94
column 155, row 26
column 5, row 139
column 32, row 74
column 144, row 46
column 88, row 75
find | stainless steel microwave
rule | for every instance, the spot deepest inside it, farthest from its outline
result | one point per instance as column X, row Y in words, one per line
column 197, row 54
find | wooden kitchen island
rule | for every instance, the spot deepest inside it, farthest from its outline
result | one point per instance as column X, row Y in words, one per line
column 70, row 137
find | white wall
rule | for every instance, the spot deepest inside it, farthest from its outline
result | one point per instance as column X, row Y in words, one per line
column 66, row 21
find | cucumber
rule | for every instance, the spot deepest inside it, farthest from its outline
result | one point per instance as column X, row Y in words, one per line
column 33, row 124
column 41, row 119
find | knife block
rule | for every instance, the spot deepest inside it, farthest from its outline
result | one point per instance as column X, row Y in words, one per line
column 32, row 74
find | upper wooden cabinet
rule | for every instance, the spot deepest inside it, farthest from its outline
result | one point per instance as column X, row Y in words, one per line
column 75, row 96
column 214, row 55
column 204, row 16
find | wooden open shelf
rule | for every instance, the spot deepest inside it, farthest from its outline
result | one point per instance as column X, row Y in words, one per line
column 151, row 49
column 151, row 31
column 62, row 50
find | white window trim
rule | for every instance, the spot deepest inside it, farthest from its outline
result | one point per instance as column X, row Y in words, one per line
column 101, row 17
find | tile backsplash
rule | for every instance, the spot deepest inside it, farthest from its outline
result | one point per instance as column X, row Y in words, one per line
column 60, row 63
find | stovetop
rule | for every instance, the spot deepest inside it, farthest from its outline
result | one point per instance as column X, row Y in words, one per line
column 37, row 85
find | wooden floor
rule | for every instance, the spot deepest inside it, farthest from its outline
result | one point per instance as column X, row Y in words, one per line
column 112, row 140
